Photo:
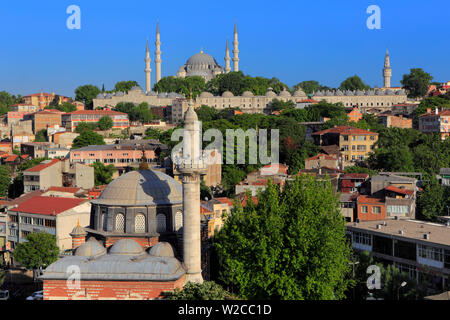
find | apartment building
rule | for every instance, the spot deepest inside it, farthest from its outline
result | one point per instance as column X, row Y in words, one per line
column 54, row 215
column 413, row 246
column 354, row 144
column 72, row 119
column 43, row 99
column 436, row 122
column 44, row 119
column 57, row 173
column 390, row 120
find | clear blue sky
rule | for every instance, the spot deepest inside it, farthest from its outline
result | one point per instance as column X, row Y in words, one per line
column 323, row 40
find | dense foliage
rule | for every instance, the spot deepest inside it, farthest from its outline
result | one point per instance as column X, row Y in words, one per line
column 86, row 94
column 39, row 251
column 105, row 123
column 353, row 83
column 208, row 290
column 141, row 112
column 291, row 245
column 103, row 174
column 416, row 83
column 5, row 181
column 87, row 138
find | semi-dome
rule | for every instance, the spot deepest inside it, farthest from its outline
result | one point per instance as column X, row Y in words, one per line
column 126, row 246
column 162, row 249
column 144, row 187
column 227, row 94
column 206, row 94
column 91, row 248
column 247, row 94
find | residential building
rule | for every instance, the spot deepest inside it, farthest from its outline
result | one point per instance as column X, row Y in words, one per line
column 72, row 119
column 21, row 137
column 322, row 160
column 305, row 103
column 36, row 149
column 369, row 208
column 385, row 179
column 6, row 147
column 57, row 153
column 64, row 139
column 389, row 120
column 444, row 176
column 354, row 144
column 57, row 173
column 54, row 215
column 415, row 247
column 43, row 119
column 23, row 107
column 43, row 99
column 436, row 122
column 353, row 183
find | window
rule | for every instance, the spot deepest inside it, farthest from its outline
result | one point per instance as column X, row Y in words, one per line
column 139, row 223
column 120, row 223
column 25, row 234
column 361, row 148
column 363, row 209
column 345, row 138
column 345, row 147
column 376, row 209
column 160, row 222
column 38, row 221
column 428, row 252
column 362, row 238
column 13, row 232
column 353, row 147
column 104, row 220
column 397, row 209
column 25, row 220
column 178, row 220
column 50, row 223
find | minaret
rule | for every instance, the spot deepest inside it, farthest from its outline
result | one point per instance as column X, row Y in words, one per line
column 227, row 59
column 158, row 54
column 191, row 169
column 387, row 71
column 148, row 84
column 235, row 50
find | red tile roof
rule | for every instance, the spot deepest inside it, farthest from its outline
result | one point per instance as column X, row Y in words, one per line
column 345, row 130
column 399, row 190
column 368, row 199
column 440, row 114
column 308, row 101
column 64, row 189
column 355, row 176
column 322, row 155
column 225, row 200
column 11, row 158
column 279, row 168
column 104, row 112
column 347, row 184
column 48, row 205
column 42, row 166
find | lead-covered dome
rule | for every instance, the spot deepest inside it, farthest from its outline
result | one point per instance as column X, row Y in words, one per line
column 91, row 248
column 162, row 249
column 126, row 246
column 145, row 187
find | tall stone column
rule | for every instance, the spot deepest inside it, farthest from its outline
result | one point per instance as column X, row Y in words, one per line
column 387, row 71
column 235, row 50
column 191, row 168
column 227, row 59
column 158, row 54
column 148, row 85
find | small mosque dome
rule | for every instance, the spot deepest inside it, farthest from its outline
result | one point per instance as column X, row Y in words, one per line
column 126, row 246
column 270, row 93
column 136, row 88
column 370, row 93
column 206, row 94
column 152, row 93
column 100, row 96
column 227, row 94
column 299, row 93
column 162, row 95
column 247, row 94
column 359, row 93
column 339, row 93
column 162, row 249
column 400, row 92
column 329, row 93
column 378, row 92
column 91, row 248
column 108, row 96
column 172, row 95
column 78, row 231
column 119, row 94
column 284, row 93
column 319, row 93
column 389, row 92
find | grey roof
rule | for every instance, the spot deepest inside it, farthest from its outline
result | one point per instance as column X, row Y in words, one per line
column 140, row 267
column 227, row 94
column 201, row 59
column 127, row 247
column 136, row 88
column 146, row 187
column 392, row 178
column 91, row 248
column 162, row 249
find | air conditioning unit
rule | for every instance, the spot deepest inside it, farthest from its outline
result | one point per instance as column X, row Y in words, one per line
column 426, row 236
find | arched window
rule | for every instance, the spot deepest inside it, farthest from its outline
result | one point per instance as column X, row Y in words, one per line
column 178, row 220
column 104, row 220
column 139, row 223
column 160, row 222
column 120, row 222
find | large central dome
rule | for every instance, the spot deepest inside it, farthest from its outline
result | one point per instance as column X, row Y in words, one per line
column 146, row 187
column 203, row 59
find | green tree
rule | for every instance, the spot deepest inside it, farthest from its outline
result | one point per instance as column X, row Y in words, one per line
column 292, row 245
column 308, row 87
column 205, row 191
column 105, row 123
column 86, row 94
column 39, row 251
column 416, row 83
column 5, row 181
column 430, row 202
column 7, row 100
column 429, row 103
column 82, row 126
column 103, row 174
column 353, row 83
column 277, row 105
column 87, row 138
column 41, row 136
column 206, row 113
column 125, row 86
column 208, row 290
column 64, row 107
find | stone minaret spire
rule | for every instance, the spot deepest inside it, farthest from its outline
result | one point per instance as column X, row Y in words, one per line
column 227, row 59
column 191, row 168
column 158, row 54
column 235, row 50
column 387, row 71
column 148, row 84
